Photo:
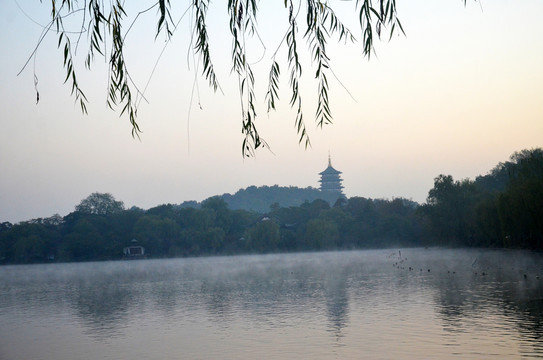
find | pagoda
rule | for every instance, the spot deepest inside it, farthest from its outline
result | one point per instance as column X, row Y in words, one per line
column 330, row 179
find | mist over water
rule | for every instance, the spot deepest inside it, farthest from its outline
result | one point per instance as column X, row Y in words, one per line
column 379, row 304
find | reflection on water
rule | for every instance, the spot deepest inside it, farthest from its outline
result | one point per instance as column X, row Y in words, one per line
column 422, row 303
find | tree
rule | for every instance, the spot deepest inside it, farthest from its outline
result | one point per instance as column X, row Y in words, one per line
column 100, row 204
column 5, row 226
column 451, row 207
column 84, row 242
column 223, row 216
column 520, row 206
column 264, row 236
column 106, row 26
column 29, row 248
column 321, row 234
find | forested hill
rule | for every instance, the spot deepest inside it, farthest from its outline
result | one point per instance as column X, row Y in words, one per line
column 260, row 199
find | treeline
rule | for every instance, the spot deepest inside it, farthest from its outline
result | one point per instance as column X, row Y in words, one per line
column 102, row 230
column 501, row 209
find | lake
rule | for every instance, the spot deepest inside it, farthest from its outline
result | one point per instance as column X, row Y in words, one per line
column 376, row 304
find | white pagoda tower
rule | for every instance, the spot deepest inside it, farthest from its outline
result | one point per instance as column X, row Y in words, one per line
column 330, row 179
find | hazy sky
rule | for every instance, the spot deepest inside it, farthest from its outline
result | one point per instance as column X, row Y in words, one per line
column 460, row 93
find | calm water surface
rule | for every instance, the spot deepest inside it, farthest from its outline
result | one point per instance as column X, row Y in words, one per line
column 422, row 304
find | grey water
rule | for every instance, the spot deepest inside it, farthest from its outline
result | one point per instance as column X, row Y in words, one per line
column 378, row 304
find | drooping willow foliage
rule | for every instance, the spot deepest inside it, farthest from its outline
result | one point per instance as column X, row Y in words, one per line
column 106, row 25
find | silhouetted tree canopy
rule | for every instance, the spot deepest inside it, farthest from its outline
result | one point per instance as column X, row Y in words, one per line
column 100, row 204
column 502, row 208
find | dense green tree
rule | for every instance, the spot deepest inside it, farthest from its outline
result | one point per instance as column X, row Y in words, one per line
column 488, row 232
column 497, row 178
column 164, row 210
column 223, row 217
column 83, row 243
column 342, row 222
column 157, row 234
column 502, row 208
column 360, row 232
column 520, row 206
column 4, row 245
column 212, row 240
column 321, row 234
column 361, row 208
column 202, row 219
column 241, row 221
column 29, row 249
column 30, row 241
column 314, row 208
column 397, row 222
column 264, row 236
column 451, row 206
column 100, row 204
column 5, row 226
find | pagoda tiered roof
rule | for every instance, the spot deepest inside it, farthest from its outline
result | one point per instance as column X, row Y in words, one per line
column 330, row 179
